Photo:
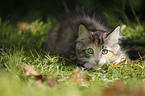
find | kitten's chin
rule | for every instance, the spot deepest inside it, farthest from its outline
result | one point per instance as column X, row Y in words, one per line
column 96, row 66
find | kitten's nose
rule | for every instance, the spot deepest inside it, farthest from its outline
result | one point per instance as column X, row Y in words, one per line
column 97, row 61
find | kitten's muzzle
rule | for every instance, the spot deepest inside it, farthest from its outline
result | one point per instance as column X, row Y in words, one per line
column 97, row 61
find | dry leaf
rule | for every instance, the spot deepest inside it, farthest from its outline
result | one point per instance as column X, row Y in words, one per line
column 79, row 76
column 39, row 78
column 29, row 70
column 52, row 81
column 22, row 25
column 117, row 88
column 77, row 70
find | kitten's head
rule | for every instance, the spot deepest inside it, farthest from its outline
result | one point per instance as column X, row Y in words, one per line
column 98, row 48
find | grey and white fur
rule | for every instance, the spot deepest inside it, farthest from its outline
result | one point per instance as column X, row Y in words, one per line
column 86, row 40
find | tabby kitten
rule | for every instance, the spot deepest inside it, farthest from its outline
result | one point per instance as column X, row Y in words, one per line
column 86, row 40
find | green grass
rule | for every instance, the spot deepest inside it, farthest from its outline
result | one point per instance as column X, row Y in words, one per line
column 26, row 46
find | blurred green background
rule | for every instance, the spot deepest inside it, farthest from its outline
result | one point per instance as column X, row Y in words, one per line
column 41, row 14
column 16, row 10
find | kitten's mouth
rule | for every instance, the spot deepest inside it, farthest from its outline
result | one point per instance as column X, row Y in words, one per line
column 97, row 62
column 93, row 64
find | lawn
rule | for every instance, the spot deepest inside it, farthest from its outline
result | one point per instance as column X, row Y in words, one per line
column 27, row 68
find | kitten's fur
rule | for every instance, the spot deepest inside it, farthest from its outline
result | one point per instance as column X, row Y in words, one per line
column 87, row 40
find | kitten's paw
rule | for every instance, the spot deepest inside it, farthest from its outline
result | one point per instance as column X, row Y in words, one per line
column 87, row 65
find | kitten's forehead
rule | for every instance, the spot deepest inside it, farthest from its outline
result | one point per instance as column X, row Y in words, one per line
column 99, row 37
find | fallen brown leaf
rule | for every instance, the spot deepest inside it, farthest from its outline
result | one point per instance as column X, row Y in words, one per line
column 22, row 25
column 52, row 81
column 118, row 88
column 79, row 76
column 29, row 70
column 39, row 78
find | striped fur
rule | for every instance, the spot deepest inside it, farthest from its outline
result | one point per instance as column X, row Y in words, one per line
column 99, row 42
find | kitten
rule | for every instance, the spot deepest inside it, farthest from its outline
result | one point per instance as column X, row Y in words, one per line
column 99, row 48
column 86, row 40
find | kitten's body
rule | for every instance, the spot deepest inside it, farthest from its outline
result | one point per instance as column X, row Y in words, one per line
column 87, row 40
column 63, row 36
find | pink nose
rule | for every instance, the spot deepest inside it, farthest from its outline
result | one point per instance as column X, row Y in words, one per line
column 97, row 61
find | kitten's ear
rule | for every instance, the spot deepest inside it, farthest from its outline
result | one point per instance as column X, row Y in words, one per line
column 83, row 33
column 114, row 36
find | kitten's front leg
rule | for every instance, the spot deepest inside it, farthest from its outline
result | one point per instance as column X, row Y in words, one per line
column 87, row 65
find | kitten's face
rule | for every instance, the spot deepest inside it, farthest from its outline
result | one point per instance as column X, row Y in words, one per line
column 98, row 48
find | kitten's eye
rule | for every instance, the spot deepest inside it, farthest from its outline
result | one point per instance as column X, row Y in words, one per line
column 90, row 51
column 104, row 51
